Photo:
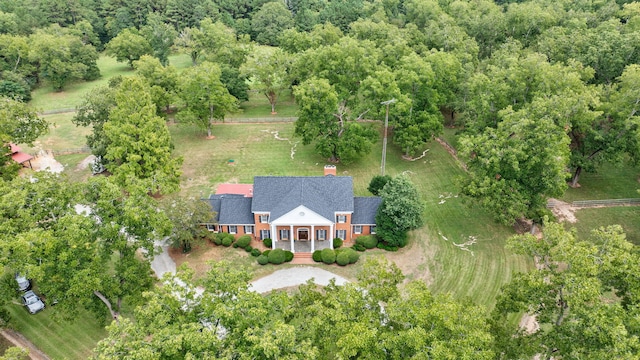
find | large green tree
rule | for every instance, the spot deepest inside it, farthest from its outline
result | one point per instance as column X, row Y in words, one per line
column 205, row 98
column 266, row 71
column 139, row 150
column 129, row 46
column 322, row 120
column 163, row 81
column 516, row 167
column 187, row 216
column 571, row 296
column 268, row 23
column 400, row 211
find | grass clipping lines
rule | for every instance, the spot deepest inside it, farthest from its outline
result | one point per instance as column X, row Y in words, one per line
column 276, row 135
column 465, row 245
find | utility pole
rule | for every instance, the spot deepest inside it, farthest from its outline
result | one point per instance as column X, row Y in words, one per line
column 384, row 139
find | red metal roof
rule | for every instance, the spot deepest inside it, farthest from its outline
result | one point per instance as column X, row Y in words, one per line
column 14, row 148
column 21, row 157
column 239, row 189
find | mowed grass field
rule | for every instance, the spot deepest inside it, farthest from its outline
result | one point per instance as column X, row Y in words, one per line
column 58, row 338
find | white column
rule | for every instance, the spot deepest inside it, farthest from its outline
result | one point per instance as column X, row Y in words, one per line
column 313, row 238
column 274, row 237
column 330, row 239
column 291, row 238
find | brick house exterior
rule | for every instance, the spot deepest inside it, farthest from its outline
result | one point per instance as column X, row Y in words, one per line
column 308, row 211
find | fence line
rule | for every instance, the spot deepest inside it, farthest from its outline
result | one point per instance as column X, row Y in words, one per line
column 594, row 203
column 261, row 119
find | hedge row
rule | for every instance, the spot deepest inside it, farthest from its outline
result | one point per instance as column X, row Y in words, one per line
column 226, row 239
column 275, row 256
column 342, row 257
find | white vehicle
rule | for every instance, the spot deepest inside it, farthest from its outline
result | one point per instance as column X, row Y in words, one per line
column 32, row 302
column 23, row 283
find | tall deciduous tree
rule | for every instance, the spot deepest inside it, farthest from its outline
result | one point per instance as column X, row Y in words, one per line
column 267, row 73
column 570, row 296
column 400, row 211
column 516, row 167
column 327, row 123
column 129, row 46
column 187, row 216
column 163, row 81
column 139, row 142
column 270, row 21
column 205, row 98
column 160, row 36
column 94, row 111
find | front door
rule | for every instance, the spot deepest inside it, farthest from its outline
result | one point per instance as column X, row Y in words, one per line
column 303, row 234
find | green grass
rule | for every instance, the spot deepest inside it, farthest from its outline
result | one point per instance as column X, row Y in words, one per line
column 70, row 163
column 609, row 182
column 626, row 216
column 58, row 338
column 63, row 134
column 476, row 274
column 258, row 106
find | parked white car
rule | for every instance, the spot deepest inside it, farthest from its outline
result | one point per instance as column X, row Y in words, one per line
column 32, row 302
column 23, row 283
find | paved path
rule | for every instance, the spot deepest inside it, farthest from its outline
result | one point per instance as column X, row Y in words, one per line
column 295, row 276
column 162, row 263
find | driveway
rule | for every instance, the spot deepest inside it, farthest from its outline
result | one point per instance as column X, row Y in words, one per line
column 293, row 277
column 162, row 263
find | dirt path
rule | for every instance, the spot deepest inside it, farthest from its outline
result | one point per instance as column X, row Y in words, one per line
column 18, row 340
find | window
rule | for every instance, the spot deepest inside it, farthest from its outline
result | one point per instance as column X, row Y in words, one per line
column 265, row 234
column 357, row 229
column 321, row 234
column 248, row 229
column 373, row 229
column 284, row 235
column 264, row 219
column 211, row 227
column 342, row 234
column 233, row 229
column 341, row 218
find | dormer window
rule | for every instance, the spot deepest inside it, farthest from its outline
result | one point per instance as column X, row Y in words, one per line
column 264, row 219
column 341, row 219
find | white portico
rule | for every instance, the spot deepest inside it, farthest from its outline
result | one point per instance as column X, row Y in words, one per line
column 304, row 227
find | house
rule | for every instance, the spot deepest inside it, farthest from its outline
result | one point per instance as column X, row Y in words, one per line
column 299, row 213
column 20, row 157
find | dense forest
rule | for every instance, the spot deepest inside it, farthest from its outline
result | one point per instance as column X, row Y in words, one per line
column 541, row 91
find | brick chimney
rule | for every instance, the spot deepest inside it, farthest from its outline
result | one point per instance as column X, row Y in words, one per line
column 329, row 170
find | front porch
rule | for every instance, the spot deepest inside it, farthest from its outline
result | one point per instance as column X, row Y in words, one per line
column 301, row 246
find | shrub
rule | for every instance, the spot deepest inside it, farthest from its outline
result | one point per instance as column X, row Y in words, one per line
column 328, row 256
column 244, row 241
column 337, row 242
column 235, row 245
column 227, row 241
column 358, row 247
column 353, row 256
column 218, row 238
column 384, row 246
column 343, row 258
column 317, row 256
column 255, row 252
column 266, row 252
column 263, row 260
column 249, row 248
column 288, row 256
column 277, row 256
column 211, row 236
column 367, row 241
column 267, row 242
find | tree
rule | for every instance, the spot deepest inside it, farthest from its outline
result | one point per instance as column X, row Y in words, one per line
column 400, row 211
column 19, row 124
column 187, row 216
column 570, row 296
column 128, row 46
column 218, row 43
column 325, row 122
column 377, row 183
column 516, row 167
column 267, row 73
column 163, row 81
column 15, row 353
column 139, row 151
column 205, row 98
column 61, row 58
column 270, row 21
column 160, row 37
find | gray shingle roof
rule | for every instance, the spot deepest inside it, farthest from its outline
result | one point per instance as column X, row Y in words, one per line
column 324, row 195
column 365, row 209
column 232, row 209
